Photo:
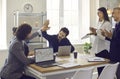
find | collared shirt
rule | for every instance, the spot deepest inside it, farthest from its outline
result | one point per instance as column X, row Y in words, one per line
column 99, row 42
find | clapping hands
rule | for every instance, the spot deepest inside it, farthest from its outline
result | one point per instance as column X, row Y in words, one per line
column 106, row 33
column 93, row 31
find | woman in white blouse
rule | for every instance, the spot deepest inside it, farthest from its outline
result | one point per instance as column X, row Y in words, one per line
column 100, row 43
column 101, row 46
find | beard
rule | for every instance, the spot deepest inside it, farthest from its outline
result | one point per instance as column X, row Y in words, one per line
column 59, row 38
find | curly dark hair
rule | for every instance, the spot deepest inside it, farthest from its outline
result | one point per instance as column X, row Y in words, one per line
column 22, row 31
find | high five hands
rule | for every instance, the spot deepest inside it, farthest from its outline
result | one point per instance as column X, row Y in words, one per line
column 45, row 26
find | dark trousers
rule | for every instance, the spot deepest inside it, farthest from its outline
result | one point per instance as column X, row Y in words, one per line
column 103, row 54
column 118, row 72
column 27, row 77
column 24, row 77
column 2, row 78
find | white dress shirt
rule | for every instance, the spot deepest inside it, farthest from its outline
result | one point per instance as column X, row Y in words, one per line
column 99, row 42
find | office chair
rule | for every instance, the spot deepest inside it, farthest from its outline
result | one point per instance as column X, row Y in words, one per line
column 109, row 71
column 86, row 73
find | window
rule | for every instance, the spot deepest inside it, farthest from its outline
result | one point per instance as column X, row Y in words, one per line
column 53, row 15
column 73, row 14
column 3, row 44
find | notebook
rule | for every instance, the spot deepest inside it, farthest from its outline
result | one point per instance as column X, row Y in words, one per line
column 64, row 50
column 44, row 57
column 95, row 59
column 70, row 64
column 85, row 37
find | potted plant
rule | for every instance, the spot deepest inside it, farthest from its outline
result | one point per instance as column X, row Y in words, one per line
column 87, row 47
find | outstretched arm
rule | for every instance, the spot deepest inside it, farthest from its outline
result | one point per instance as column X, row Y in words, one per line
column 44, row 29
column 39, row 33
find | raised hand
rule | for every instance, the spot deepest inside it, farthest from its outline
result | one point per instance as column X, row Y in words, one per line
column 46, row 23
column 45, row 26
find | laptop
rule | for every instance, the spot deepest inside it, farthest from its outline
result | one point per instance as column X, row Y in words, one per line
column 44, row 57
column 64, row 50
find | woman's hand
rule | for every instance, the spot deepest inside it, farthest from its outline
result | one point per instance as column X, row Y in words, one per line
column 93, row 30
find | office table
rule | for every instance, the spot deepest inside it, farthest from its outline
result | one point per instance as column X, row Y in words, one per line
column 58, row 72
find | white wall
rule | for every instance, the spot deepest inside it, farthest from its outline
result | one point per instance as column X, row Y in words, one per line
column 84, row 18
column 17, row 5
column 3, row 56
column 94, row 5
column 0, row 10
column 111, row 3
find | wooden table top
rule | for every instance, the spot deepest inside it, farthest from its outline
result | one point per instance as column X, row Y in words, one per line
column 81, row 59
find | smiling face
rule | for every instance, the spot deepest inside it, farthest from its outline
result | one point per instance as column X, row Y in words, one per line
column 116, row 15
column 61, row 35
column 100, row 15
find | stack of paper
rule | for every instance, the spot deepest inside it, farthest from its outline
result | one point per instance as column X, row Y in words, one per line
column 67, row 65
column 95, row 59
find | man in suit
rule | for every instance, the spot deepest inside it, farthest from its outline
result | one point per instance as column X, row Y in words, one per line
column 114, row 38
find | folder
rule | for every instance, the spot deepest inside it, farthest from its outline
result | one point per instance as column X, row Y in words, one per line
column 86, row 36
column 95, row 59
column 68, row 65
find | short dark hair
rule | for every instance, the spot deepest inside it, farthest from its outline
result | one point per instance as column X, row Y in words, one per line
column 105, row 14
column 14, row 29
column 22, row 31
column 65, row 30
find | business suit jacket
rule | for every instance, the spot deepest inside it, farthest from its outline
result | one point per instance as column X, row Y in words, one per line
column 17, row 60
column 115, row 44
column 26, row 51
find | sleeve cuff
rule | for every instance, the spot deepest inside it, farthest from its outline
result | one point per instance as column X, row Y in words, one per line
column 40, row 33
column 106, row 38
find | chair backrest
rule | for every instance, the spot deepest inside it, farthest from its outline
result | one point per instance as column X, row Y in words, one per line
column 84, row 73
column 109, row 71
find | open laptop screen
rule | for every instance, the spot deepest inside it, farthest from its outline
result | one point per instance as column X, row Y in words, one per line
column 43, row 54
column 64, row 50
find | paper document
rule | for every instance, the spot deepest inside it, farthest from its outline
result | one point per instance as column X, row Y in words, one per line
column 95, row 59
column 86, row 36
column 67, row 65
